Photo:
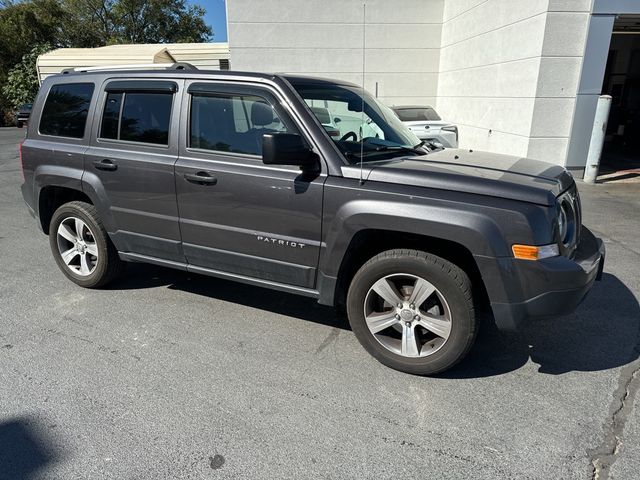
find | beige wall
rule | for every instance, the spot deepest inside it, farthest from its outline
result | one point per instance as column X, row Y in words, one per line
column 563, row 50
column 325, row 38
column 505, row 71
column 509, row 76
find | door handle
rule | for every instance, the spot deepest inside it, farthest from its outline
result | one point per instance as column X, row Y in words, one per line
column 105, row 164
column 202, row 178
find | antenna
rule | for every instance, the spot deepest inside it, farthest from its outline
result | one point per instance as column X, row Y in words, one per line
column 364, row 42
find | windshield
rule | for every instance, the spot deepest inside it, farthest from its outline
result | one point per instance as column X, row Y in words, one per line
column 419, row 114
column 375, row 129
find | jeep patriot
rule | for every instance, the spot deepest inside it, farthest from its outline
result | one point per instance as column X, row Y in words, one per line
column 234, row 175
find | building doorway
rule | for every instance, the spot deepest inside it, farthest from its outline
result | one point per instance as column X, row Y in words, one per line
column 622, row 81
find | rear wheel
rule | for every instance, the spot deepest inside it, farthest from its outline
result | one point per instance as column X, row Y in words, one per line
column 413, row 311
column 81, row 247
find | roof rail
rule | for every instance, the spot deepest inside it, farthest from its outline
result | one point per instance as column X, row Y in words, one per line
column 165, row 66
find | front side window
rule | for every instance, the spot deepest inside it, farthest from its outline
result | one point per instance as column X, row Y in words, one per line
column 137, row 117
column 65, row 110
column 232, row 123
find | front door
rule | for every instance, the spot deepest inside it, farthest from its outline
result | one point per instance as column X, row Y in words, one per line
column 238, row 215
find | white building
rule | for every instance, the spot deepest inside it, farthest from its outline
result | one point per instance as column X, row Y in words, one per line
column 518, row 76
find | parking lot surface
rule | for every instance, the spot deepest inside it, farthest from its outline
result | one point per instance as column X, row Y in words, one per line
column 172, row 375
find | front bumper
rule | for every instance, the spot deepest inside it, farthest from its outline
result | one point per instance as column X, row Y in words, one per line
column 543, row 288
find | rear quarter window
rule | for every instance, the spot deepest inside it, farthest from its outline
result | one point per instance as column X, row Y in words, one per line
column 65, row 111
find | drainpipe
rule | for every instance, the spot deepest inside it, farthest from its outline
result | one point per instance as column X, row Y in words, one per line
column 597, row 139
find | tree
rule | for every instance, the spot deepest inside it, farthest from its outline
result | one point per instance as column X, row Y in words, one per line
column 22, row 84
column 27, row 24
column 93, row 23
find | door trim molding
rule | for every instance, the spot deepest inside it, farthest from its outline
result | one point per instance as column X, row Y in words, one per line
column 136, row 257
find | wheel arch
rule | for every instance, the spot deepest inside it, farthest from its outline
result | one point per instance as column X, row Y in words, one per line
column 51, row 197
column 367, row 243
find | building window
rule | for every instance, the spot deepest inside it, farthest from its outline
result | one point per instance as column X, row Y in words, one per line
column 65, row 110
column 137, row 117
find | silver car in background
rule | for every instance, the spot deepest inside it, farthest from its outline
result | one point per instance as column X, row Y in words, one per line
column 427, row 125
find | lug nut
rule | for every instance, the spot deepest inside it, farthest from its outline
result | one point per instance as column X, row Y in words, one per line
column 397, row 317
column 399, row 305
column 416, row 318
column 412, row 306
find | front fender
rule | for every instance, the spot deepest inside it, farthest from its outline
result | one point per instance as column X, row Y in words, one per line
column 478, row 233
column 485, row 226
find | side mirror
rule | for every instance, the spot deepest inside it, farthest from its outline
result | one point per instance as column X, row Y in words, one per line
column 287, row 149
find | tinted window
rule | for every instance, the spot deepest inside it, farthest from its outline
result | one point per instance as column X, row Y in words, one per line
column 427, row 114
column 137, row 117
column 65, row 110
column 235, row 123
column 111, row 116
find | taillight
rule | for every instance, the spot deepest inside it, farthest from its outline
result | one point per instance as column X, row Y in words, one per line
column 451, row 128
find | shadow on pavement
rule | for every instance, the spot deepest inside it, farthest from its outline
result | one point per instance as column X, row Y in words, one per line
column 24, row 451
column 604, row 332
column 139, row 275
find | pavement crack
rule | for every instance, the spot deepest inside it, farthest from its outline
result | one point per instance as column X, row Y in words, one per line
column 606, row 453
column 331, row 337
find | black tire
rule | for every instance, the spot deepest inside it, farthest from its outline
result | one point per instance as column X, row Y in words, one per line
column 20, row 124
column 454, row 285
column 108, row 265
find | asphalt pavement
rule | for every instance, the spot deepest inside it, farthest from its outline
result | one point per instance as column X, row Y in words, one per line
column 171, row 375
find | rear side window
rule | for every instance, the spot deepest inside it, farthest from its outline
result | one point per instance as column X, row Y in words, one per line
column 137, row 117
column 65, row 110
column 426, row 114
column 232, row 123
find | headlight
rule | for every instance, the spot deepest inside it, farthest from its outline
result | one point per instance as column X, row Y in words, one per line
column 566, row 221
column 562, row 222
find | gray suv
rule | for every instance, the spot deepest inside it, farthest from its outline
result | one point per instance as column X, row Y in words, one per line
column 233, row 175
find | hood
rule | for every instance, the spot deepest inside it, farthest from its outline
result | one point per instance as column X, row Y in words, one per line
column 482, row 173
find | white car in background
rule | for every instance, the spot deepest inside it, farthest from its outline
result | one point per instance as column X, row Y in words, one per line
column 427, row 125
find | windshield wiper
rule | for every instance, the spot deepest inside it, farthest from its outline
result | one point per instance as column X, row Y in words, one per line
column 387, row 148
column 402, row 148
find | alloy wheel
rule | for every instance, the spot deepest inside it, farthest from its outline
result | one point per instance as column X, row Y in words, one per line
column 77, row 246
column 407, row 315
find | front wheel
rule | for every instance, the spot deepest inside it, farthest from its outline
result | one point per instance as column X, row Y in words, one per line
column 81, row 247
column 413, row 311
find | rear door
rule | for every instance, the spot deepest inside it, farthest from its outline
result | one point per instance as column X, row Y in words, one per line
column 130, row 164
column 238, row 215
